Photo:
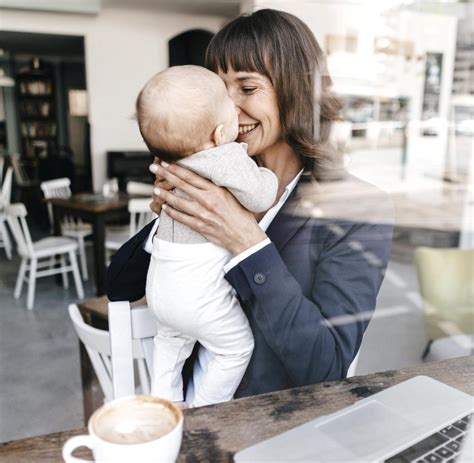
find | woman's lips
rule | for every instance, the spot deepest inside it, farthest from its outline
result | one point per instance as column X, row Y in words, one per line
column 246, row 129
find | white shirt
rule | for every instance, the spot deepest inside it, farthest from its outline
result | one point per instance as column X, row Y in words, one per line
column 263, row 224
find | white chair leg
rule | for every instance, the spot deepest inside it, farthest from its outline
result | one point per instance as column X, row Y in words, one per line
column 52, row 262
column 142, row 374
column 6, row 240
column 31, row 285
column 83, row 259
column 20, row 279
column 62, row 260
column 77, row 276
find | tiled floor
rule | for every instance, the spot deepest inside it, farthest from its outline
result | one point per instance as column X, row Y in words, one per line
column 40, row 389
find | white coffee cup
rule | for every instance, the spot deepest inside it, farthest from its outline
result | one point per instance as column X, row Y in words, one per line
column 132, row 429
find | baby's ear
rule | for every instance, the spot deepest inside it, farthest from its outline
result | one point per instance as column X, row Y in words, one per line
column 218, row 135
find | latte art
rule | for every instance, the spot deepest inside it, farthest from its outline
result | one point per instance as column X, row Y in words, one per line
column 135, row 422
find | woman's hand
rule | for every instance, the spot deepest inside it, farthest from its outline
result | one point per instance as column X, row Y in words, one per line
column 213, row 211
column 159, row 183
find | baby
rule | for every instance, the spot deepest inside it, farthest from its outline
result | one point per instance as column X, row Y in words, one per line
column 186, row 116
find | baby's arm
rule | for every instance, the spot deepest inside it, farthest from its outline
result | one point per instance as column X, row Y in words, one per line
column 254, row 187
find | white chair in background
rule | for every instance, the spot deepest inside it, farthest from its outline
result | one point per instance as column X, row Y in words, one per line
column 140, row 188
column 5, row 197
column 140, row 215
column 22, row 179
column 71, row 227
column 37, row 256
column 2, row 164
column 120, row 233
column 6, row 192
column 107, row 360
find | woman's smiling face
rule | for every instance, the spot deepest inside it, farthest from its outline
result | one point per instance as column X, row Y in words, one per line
column 257, row 106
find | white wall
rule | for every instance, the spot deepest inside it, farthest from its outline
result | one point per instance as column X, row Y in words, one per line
column 123, row 48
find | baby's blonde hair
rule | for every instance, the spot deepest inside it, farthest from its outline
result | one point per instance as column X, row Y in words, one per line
column 178, row 109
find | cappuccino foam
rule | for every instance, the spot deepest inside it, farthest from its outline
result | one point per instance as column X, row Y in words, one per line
column 134, row 421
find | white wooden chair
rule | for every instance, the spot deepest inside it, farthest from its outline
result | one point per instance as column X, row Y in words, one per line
column 74, row 228
column 115, row 371
column 6, row 193
column 5, row 197
column 36, row 256
column 129, row 327
column 140, row 215
column 139, row 188
column 22, row 178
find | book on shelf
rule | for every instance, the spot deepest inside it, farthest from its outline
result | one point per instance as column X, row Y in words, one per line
column 36, row 87
column 38, row 129
column 32, row 109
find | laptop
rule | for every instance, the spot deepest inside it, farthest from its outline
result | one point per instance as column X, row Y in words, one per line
column 419, row 420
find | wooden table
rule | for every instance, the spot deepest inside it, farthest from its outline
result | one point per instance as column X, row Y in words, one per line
column 215, row 433
column 93, row 208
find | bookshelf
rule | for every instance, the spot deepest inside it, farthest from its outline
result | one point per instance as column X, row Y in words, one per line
column 36, row 110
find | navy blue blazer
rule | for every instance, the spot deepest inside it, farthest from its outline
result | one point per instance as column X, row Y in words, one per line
column 310, row 294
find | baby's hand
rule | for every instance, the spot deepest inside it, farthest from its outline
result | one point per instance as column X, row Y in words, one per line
column 157, row 202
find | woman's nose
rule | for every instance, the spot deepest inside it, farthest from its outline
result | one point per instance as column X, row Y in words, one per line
column 235, row 98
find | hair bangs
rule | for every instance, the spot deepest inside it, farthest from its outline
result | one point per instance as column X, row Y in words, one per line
column 238, row 46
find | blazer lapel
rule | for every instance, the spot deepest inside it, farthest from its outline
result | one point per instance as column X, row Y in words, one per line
column 287, row 222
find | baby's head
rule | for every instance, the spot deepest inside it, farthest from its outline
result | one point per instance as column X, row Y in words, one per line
column 185, row 109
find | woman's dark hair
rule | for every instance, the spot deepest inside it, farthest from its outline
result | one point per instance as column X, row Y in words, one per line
column 283, row 48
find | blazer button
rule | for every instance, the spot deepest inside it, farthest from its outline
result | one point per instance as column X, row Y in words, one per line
column 259, row 278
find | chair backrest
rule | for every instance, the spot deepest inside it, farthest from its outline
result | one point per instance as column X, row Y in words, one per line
column 445, row 279
column 6, row 193
column 140, row 214
column 129, row 326
column 16, row 217
column 139, row 188
column 21, row 177
column 2, row 164
column 98, row 345
column 57, row 188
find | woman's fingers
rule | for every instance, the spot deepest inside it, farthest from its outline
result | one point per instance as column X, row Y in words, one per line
column 183, row 178
column 180, row 204
column 186, row 219
column 163, row 184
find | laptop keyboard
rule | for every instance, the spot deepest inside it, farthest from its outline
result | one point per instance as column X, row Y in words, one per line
column 443, row 446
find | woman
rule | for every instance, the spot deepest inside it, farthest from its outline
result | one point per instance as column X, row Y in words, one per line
column 308, row 276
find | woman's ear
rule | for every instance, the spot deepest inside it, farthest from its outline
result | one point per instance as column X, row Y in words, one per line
column 218, row 135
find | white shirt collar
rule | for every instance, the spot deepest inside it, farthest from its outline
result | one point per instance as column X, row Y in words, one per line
column 272, row 212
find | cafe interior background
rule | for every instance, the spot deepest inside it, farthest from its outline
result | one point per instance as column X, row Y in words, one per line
column 70, row 71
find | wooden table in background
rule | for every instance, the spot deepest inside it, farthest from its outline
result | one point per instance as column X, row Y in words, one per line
column 95, row 209
column 215, row 433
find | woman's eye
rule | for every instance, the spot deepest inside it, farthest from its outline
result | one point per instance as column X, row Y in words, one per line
column 249, row 89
